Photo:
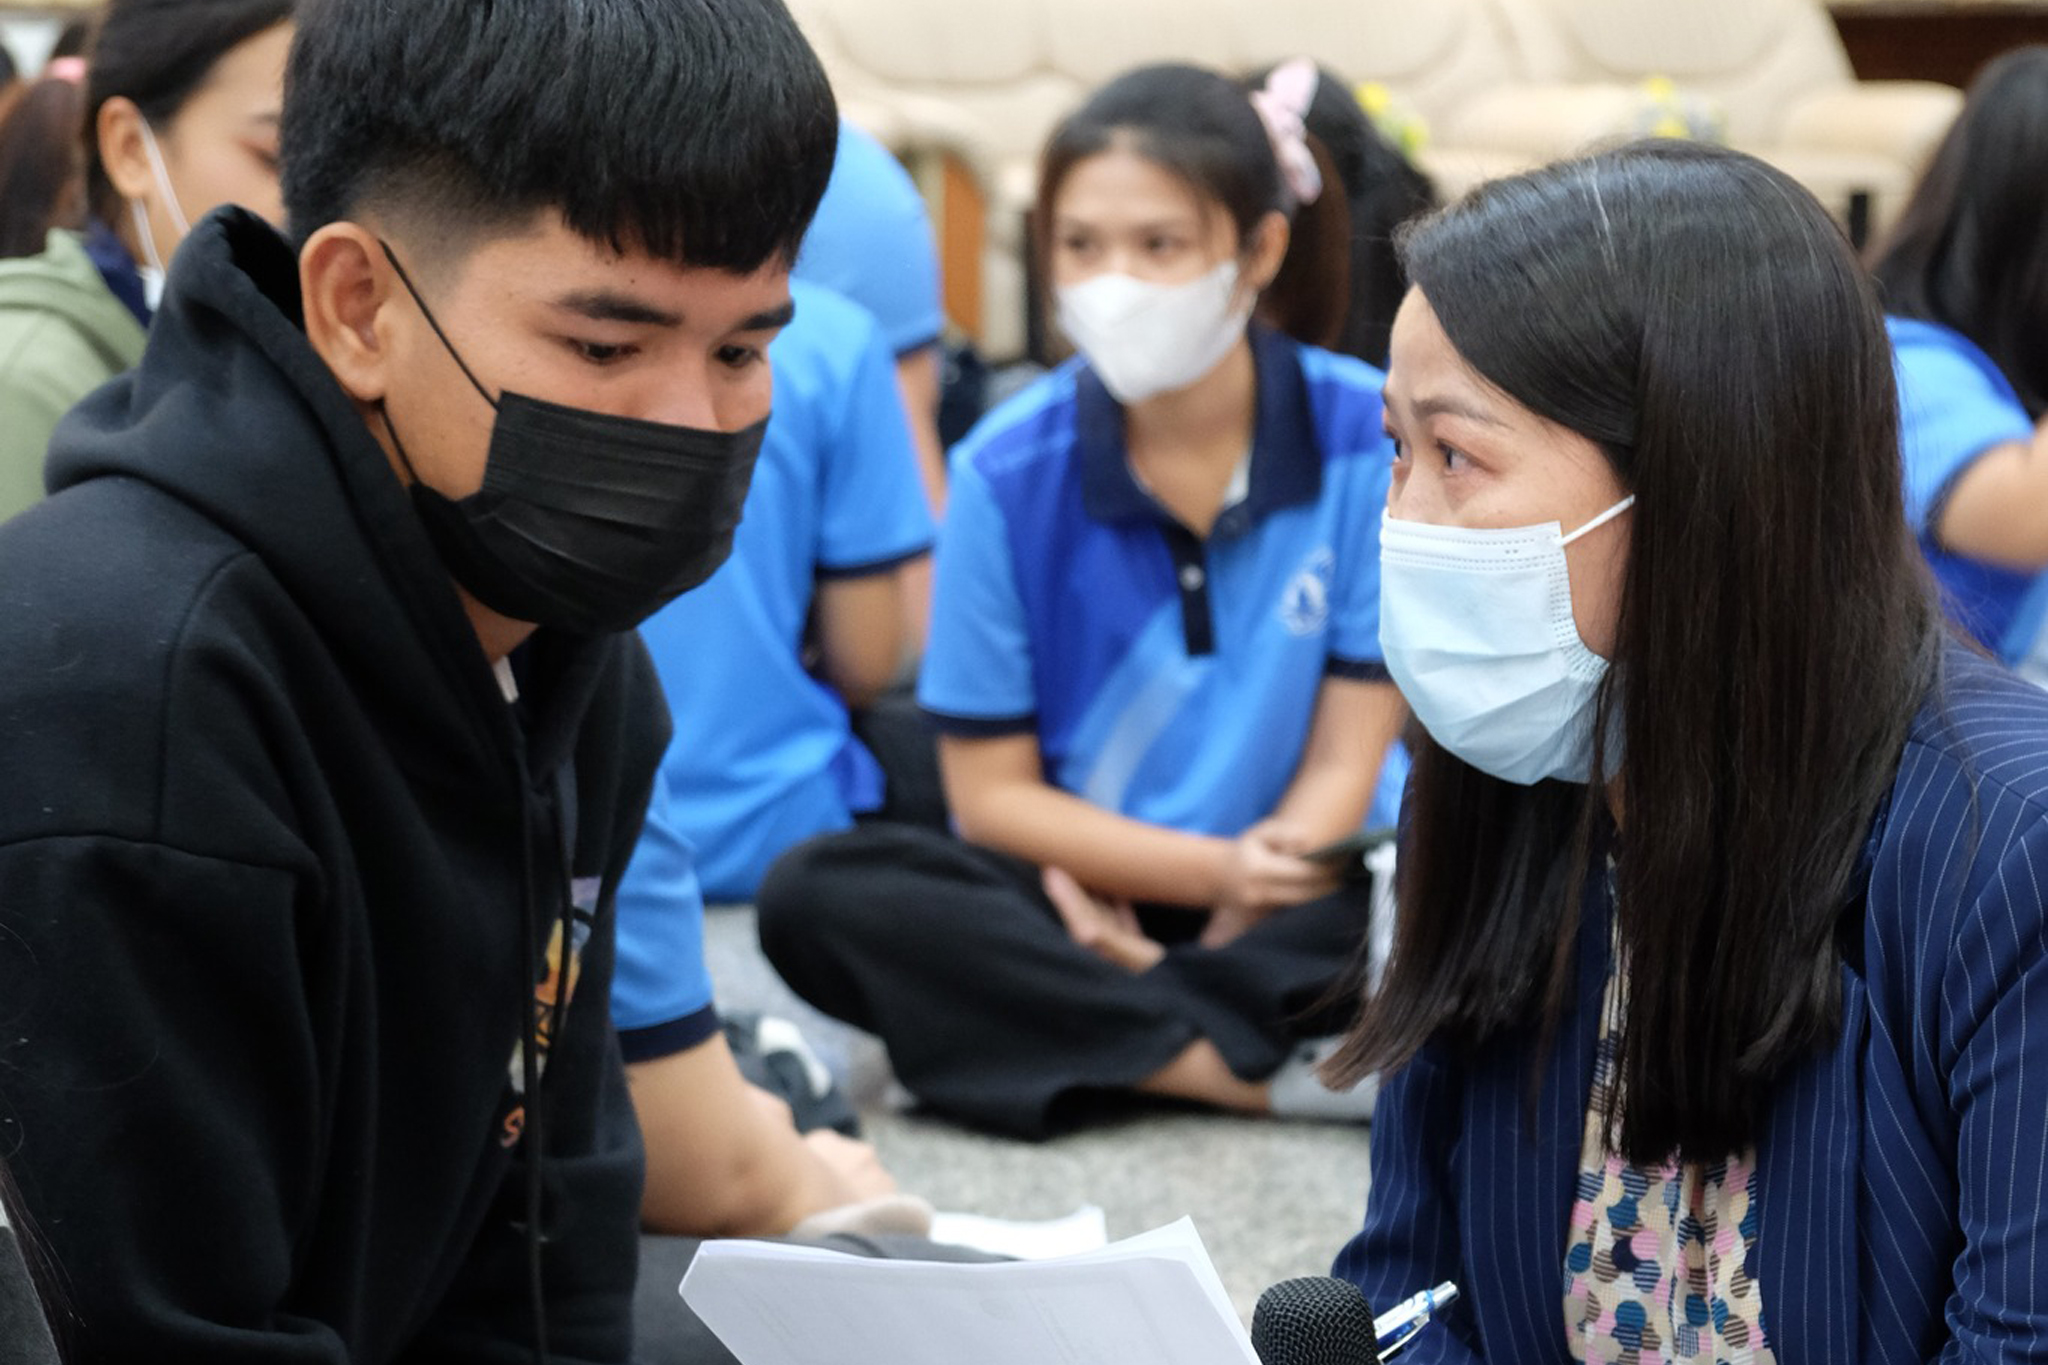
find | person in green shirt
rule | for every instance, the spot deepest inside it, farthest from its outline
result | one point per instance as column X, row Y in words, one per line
column 182, row 102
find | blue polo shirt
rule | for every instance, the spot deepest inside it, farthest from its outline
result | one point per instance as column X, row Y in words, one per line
column 1954, row 405
column 1166, row 677
column 872, row 241
column 661, row 992
column 763, row 755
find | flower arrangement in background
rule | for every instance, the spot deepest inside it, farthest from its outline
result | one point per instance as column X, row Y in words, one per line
column 1395, row 119
column 1667, row 111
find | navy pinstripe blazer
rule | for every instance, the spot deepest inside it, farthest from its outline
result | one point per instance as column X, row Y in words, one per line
column 1903, row 1173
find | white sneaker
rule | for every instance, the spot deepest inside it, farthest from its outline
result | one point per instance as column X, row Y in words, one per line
column 1295, row 1091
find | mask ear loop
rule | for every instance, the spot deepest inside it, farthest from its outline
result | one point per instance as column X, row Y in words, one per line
column 163, row 180
column 139, row 216
column 1596, row 523
column 434, row 323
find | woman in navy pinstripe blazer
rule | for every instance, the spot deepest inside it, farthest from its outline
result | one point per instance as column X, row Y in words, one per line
column 1723, row 871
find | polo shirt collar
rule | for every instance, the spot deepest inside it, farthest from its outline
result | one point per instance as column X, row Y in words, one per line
column 1287, row 456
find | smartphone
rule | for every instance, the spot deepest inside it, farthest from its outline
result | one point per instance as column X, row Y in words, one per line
column 1349, row 851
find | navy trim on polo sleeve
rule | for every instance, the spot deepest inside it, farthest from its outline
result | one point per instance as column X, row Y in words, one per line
column 665, row 1040
column 979, row 727
column 1358, row 670
column 874, row 566
column 900, row 350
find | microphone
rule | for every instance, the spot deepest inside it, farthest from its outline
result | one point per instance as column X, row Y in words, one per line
column 1314, row 1320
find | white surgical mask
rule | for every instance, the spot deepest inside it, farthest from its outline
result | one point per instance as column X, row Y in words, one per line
column 1143, row 339
column 152, row 267
column 1477, row 630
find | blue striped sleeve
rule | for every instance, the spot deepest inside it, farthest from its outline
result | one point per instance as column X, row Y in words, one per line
column 1994, row 1010
column 1410, row 1239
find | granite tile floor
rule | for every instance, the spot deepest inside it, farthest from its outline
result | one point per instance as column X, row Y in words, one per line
column 1272, row 1199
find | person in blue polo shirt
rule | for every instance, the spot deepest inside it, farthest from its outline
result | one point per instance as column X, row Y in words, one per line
column 764, row 755
column 724, row 1157
column 1154, row 658
column 872, row 242
column 1960, row 277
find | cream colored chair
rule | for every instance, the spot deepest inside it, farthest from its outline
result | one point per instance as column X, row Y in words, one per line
column 1774, row 70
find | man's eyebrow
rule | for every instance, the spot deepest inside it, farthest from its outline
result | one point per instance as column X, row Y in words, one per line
column 770, row 319
column 604, row 305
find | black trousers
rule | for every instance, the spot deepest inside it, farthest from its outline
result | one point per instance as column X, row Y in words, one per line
column 896, row 733
column 991, row 1013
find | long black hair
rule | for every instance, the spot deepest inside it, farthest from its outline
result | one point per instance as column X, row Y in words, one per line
column 1698, row 316
column 1969, row 251
column 1200, row 128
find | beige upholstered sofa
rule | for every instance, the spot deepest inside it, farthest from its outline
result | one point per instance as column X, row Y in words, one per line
column 1774, row 70
column 968, row 90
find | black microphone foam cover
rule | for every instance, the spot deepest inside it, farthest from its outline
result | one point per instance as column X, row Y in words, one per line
column 1314, row 1320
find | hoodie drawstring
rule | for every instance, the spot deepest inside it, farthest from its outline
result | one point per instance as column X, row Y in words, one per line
column 563, row 931
column 534, row 1133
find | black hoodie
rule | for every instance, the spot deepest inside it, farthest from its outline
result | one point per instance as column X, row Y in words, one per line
column 272, row 844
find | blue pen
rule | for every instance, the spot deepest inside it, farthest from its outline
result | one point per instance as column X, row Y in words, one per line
column 1401, row 1322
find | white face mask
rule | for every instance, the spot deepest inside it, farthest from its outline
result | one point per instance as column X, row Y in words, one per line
column 152, row 267
column 1143, row 339
column 1477, row 630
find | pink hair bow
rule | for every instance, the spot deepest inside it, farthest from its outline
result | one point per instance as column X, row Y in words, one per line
column 1283, row 105
column 67, row 69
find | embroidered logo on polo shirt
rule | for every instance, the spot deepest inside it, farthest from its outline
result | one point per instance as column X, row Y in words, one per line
column 1305, row 605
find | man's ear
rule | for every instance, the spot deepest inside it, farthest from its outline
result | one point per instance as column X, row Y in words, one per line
column 118, row 129
column 346, row 287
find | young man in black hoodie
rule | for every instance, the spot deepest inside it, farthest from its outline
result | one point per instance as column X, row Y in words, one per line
column 323, row 748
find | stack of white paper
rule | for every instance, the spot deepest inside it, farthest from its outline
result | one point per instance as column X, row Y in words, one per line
column 1154, row 1299
column 1085, row 1229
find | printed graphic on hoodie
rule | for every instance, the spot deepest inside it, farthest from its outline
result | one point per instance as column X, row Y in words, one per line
column 558, row 982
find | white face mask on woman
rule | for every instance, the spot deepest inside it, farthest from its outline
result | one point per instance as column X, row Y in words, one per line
column 1477, row 629
column 1144, row 339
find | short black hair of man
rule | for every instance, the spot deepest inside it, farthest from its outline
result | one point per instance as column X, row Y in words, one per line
column 698, row 131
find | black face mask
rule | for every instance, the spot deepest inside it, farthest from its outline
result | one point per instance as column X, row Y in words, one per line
column 586, row 522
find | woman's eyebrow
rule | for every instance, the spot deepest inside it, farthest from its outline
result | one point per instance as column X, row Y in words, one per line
column 1448, row 405
column 1171, row 223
